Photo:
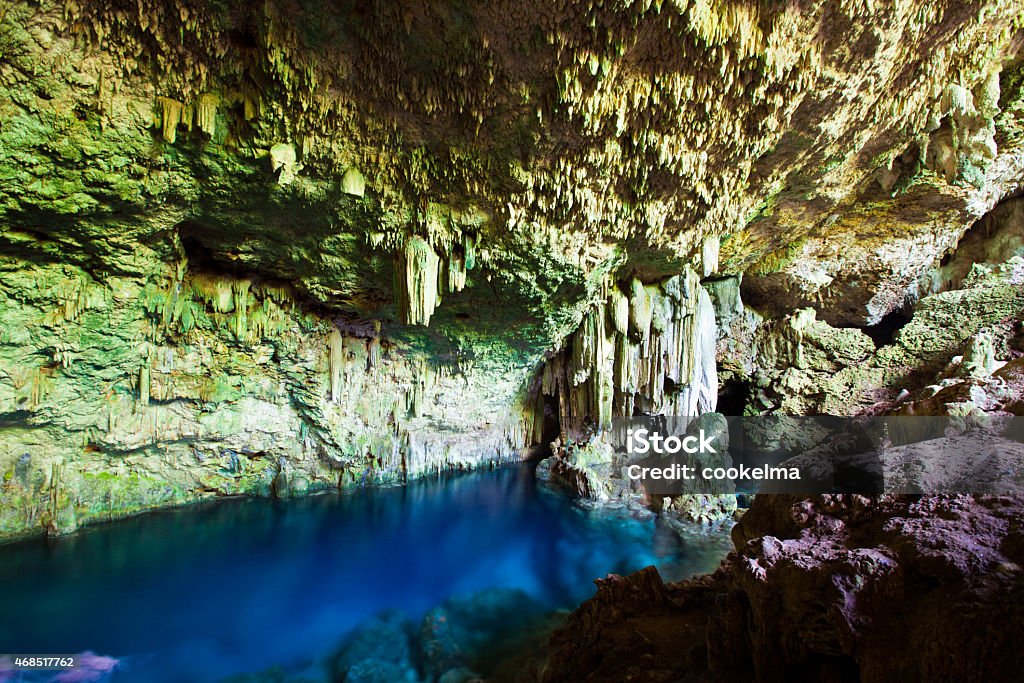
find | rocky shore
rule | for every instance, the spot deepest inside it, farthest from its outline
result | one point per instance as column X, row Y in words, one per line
column 834, row 588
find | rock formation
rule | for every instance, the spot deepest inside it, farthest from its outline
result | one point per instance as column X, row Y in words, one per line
column 832, row 588
column 288, row 247
column 283, row 247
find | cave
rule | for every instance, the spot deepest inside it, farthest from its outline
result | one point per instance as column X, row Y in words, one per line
column 733, row 397
column 511, row 341
column 200, row 257
column 883, row 333
column 551, row 427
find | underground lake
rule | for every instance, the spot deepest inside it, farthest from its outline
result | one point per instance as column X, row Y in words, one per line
column 321, row 321
column 207, row 591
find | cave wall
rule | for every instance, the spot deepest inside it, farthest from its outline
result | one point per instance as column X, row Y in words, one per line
column 291, row 246
column 132, row 393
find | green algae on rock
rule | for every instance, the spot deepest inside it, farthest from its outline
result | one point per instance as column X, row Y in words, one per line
column 285, row 248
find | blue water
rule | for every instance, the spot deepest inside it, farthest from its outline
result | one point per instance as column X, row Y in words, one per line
column 198, row 593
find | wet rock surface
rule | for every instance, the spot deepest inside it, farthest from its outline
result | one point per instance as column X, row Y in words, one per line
column 839, row 588
column 494, row 635
column 597, row 473
column 283, row 248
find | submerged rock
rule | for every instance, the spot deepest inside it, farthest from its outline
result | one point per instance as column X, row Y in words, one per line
column 481, row 633
column 380, row 650
column 492, row 634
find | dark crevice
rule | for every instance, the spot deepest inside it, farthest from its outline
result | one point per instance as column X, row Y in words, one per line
column 883, row 333
column 733, row 397
column 203, row 259
column 551, row 426
column 821, row 667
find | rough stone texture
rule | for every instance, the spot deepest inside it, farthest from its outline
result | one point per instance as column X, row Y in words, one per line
column 635, row 628
column 288, row 246
column 800, row 365
column 882, row 254
column 450, row 192
column 595, row 471
column 133, row 393
column 830, row 588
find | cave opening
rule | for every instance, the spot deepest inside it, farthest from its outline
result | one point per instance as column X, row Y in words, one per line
column 883, row 333
column 219, row 260
column 733, row 397
column 201, row 257
column 551, row 426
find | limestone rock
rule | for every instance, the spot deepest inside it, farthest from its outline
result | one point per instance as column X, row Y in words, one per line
column 182, row 307
column 353, row 183
column 284, row 162
column 826, row 586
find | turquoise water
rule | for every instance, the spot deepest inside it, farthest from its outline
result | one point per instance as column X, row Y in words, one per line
column 199, row 593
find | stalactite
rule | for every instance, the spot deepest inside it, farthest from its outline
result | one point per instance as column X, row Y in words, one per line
column 618, row 306
column 701, row 394
column 353, row 183
column 206, row 113
column 56, row 470
column 709, row 255
column 536, row 419
column 240, row 290
column 610, row 368
column 144, row 385
column 456, row 269
column 216, row 292
column 417, row 396
column 469, row 249
column 639, row 310
column 170, row 118
column 336, row 362
column 373, row 347
column 416, row 281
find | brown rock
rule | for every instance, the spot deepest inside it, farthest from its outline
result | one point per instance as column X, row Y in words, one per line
column 847, row 589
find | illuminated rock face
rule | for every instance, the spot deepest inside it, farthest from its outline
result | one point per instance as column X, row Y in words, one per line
column 626, row 352
column 296, row 246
